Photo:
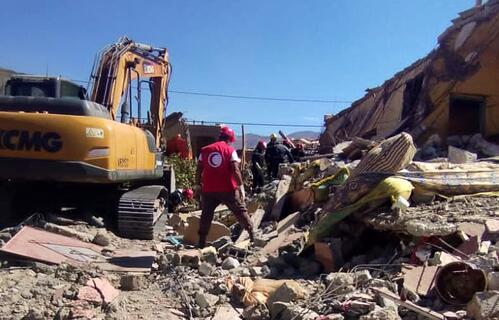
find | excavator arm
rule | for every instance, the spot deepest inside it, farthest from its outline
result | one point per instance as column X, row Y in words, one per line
column 115, row 70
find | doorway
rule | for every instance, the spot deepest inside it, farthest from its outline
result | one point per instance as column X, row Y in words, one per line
column 466, row 115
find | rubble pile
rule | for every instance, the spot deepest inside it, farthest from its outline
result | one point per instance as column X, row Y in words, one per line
column 337, row 237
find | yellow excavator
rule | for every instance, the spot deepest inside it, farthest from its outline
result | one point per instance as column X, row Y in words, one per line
column 60, row 148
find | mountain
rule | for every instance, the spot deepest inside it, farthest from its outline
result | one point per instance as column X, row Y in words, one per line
column 310, row 135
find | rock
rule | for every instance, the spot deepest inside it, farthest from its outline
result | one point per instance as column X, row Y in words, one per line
column 230, row 263
column 132, row 282
column 381, row 314
column 189, row 257
column 105, row 288
column 256, row 271
column 421, row 229
column 101, row 239
column 457, row 155
column 5, row 236
column 209, row 254
column 217, row 230
column 97, row 222
column 288, row 311
column 63, row 314
column 68, row 232
column 90, row 295
column 341, row 281
column 492, row 226
column 358, row 308
column 158, row 247
column 483, row 306
column 493, row 281
column 362, row 277
column 205, row 300
column 34, row 314
column 205, row 269
column 226, row 312
column 283, row 294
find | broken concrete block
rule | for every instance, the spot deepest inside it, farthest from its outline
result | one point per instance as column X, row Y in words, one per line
column 289, row 311
column 209, row 254
column 105, row 288
column 358, row 308
column 68, row 232
column 205, row 269
column 188, row 257
column 492, row 226
column 101, row 238
column 190, row 233
column 493, row 281
column 90, row 295
column 381, row 314
column 342, row 281
column 419, row 279
column 226, row 312
column 457, row 155
column 484, row 247
column 485, row 147
column 158, row 247
column 230, row 263
column 204, row 299
column 133, row 282
column 483, row 306
column 282, row 190
column 362, row 277
column 284, row 293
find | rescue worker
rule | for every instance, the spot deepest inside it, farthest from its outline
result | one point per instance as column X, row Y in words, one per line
column 257, row 164
column 276, row 154
column 221, row 182
column 298, row 152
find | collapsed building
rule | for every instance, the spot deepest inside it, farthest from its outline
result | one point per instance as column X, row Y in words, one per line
column 453, row 91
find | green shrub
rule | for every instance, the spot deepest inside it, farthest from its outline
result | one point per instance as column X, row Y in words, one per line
column 185, row 171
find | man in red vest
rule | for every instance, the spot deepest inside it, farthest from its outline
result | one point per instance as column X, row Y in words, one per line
column 221, row 182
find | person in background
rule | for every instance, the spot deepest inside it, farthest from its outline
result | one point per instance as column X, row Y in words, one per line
column 221, row 183
column 257, row 164
column 298, row 152
column 276, row 154
column 178, row 145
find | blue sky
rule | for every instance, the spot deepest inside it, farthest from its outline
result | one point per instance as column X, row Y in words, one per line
column 316, row 49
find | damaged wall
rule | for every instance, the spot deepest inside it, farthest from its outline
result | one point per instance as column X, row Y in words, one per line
column 455, row 88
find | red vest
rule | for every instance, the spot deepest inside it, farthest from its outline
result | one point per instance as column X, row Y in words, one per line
column 217, row 172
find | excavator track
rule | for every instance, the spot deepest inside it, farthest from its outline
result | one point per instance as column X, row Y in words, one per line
column 139, row 210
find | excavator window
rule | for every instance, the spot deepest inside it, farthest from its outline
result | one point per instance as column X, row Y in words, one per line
column 70, row 90
column 30, row 88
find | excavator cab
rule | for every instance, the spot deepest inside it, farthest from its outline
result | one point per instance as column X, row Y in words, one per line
column 32, row 86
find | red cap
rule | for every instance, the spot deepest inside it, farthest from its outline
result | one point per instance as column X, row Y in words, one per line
column 228, row 133
column 188, row 193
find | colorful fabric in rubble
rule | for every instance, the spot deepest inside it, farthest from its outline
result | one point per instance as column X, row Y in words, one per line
column 382, row 161
column 388, row 189
column 369, row 184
